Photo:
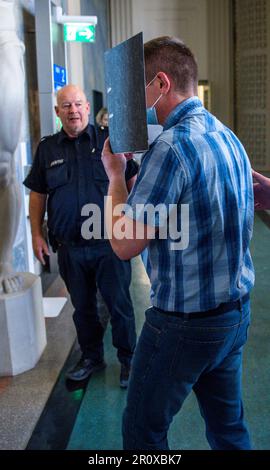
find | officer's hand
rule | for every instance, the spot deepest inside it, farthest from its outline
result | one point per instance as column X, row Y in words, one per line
column 261, row 187
column 114, row 163
column 40, row 248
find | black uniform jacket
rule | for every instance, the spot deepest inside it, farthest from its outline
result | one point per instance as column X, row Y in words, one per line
column 71, row 173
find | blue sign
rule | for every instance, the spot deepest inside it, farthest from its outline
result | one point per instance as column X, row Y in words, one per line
column 59, row 77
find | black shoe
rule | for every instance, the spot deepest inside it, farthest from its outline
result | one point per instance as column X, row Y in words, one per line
column 124, row 375
column 84, row 368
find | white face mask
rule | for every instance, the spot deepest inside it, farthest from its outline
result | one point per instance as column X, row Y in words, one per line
column 151, row 111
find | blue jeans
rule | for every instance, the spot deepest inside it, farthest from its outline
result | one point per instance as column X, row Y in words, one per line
column 175, row 356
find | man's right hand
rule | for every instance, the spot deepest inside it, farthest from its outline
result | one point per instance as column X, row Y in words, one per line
column 40, row 248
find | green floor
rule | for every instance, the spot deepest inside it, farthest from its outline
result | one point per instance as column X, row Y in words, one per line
column 98, row 424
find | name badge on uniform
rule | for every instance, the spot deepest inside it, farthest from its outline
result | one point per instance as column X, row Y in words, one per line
column 57, row 162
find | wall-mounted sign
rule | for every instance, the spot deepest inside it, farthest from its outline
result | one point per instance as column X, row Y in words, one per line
column 79, row 32
column 59, row 77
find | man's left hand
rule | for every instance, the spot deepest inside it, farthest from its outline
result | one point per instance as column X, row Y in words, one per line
column 114, row 164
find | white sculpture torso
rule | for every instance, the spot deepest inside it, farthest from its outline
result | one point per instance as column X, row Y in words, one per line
column 12, row 97
column 7, row 19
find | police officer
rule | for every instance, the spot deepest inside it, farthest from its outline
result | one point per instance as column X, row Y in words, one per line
column 67, row 174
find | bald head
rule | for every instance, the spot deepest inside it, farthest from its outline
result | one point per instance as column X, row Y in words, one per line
column 67, row 90
column 73, row 109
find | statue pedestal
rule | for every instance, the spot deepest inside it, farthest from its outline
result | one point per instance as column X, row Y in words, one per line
column 22, row 327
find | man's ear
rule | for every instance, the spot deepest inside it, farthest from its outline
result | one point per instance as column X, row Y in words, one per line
column 56, row 110
column 164, row 82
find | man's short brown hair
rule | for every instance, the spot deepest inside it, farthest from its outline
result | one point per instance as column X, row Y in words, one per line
column 171, row 56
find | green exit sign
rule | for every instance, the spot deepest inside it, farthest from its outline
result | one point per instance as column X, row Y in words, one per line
column 79, row 32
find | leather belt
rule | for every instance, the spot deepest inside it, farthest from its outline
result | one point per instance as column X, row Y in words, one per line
column 222, row 308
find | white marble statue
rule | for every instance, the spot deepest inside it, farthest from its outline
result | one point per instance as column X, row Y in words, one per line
column 12, row 101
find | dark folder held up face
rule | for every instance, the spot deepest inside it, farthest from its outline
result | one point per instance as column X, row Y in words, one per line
column 125, row 84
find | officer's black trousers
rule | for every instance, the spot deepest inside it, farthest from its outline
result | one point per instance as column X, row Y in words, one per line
column 84, row 268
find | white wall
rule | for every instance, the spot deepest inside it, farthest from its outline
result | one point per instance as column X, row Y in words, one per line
column 186, row 19
column 121, row 20
column 74, row 50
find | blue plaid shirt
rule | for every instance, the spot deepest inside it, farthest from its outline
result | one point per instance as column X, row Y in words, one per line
column 200, row 162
